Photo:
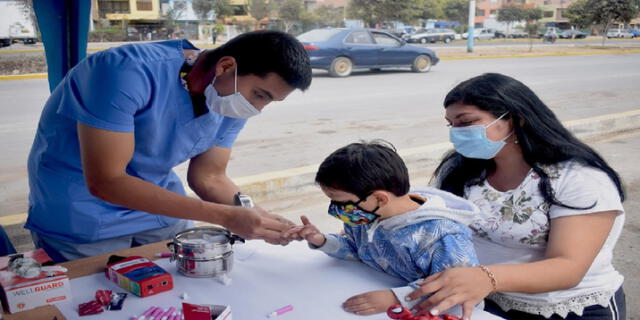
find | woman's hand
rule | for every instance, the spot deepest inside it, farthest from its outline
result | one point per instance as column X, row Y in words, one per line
column 464, row 285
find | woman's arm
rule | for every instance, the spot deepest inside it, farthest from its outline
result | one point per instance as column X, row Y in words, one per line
column 574, row 242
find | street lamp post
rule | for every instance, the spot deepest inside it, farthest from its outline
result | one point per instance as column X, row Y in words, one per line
column 472, row 21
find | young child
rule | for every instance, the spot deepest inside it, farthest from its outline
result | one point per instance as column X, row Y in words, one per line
column 407, row 235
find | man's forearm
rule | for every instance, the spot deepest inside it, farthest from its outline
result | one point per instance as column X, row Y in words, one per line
column 137, row 194
column 218, row 189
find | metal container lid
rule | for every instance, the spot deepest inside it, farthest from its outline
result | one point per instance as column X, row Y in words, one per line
column 203, row 236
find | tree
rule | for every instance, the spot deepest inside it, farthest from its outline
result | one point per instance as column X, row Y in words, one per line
column 603, row 12
column 510, row 14
column 532, row 15
column 578, row 14
column 259, row 9
column 457, row 10
column 203, row 8
column 329, row 16
column 289, row 12
column 172, row 14
column 374, row 12
column 433, row 9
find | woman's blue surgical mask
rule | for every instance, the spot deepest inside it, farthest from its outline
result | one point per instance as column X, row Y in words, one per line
column 472, row 141
column 350, row 213
column 234, row 105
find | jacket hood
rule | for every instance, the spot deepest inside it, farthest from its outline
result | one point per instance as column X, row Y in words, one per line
column 438, row 205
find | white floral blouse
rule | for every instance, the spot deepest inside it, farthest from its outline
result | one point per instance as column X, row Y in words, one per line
column 513, row 227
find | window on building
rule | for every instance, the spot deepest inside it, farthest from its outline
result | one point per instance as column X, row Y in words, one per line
column 560, row 13
column 548, row 14
column 113, row 6
column 493, row 11
column 480, row 13
column 547, row 2
column 144, row 5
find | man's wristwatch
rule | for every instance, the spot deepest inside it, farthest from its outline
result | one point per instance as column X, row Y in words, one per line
column 243, row 200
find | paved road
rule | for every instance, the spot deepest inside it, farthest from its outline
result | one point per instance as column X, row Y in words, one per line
column 400, row 106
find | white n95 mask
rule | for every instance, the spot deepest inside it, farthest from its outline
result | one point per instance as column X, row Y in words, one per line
column 234, row 105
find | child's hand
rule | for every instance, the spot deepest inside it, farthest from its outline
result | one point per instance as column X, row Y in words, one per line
column 311, row 233
column 308, row 232
column 370, row 302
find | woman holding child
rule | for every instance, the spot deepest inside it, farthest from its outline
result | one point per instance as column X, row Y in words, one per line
column 551, row 210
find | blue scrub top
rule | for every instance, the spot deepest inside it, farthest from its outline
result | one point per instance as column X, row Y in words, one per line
column 133, row 88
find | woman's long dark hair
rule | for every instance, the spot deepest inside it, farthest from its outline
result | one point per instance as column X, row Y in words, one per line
column 541, row 136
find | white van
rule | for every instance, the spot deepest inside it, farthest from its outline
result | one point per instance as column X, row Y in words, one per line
column 15, row 23
column 481, row 34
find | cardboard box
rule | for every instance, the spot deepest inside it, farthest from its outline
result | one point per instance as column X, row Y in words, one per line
column 193, row 311
column 47, row 287
column 139, row 276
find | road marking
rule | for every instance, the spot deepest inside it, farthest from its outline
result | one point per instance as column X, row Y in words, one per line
column 24, row 76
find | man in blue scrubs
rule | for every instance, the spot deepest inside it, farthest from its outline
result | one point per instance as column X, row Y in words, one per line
column 100, row 168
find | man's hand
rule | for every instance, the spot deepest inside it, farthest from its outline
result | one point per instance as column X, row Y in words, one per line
column 284, row 239
column 256, row 223
column 370, row 302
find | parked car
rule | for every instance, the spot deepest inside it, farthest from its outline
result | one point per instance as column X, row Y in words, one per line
column 635, row 32
column 481, row 34
column 341, row 50
column 619, row 33
column 572, row 34
column 432, row 35
column 516, row 34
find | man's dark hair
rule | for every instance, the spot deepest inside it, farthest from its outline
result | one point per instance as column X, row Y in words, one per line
column 262, row 52
column 364, row 167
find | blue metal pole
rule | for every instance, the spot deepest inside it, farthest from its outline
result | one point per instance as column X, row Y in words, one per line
column 472, row 22
column 64, row 26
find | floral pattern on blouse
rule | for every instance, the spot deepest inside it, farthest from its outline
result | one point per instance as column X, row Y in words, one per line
column 518, row 217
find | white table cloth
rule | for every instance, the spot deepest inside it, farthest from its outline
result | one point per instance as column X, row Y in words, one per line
column 264, row 278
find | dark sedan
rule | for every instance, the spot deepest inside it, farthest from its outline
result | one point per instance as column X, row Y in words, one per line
column 340, row 51
column 572, row 34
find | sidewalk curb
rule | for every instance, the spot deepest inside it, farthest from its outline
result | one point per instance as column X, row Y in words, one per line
column 279, row 185
column 23, row 76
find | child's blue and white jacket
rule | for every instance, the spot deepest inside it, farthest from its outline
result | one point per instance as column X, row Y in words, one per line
column 413, row 245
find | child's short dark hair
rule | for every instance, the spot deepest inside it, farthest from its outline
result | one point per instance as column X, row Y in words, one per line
column 265, row 51
column 361, row 168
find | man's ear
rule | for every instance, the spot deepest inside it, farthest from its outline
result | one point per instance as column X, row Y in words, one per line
column 225, row 64
column 382, row 197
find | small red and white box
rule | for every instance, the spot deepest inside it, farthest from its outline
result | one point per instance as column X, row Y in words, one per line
column 42, row 288
column 193, row 311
